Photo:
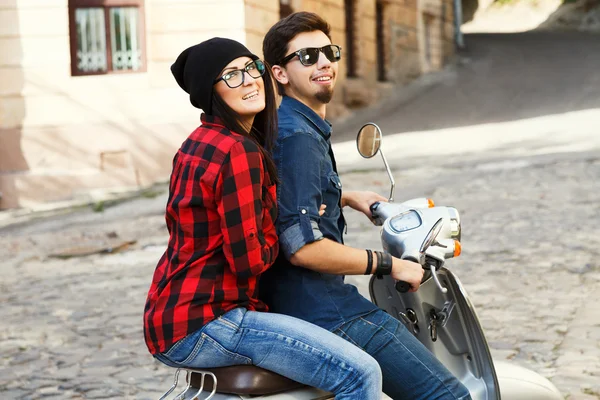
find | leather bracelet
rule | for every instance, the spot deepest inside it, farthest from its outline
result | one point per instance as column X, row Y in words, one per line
column 385, row 267
column 379, row 262
column 369, row 262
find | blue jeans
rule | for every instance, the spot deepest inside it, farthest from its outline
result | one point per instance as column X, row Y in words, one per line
column 288, row 346
column 410, row 371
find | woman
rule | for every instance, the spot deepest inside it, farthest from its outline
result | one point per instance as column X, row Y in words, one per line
column 202, row 309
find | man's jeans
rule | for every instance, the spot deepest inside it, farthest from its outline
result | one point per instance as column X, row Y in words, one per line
column 288, row 346
column 410, row 371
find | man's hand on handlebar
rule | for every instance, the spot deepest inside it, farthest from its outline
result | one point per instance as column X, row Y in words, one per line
column 407, row 271
column 361, row 201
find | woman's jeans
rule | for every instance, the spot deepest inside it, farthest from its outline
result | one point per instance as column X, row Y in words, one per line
column 410, row 371
column 288, row 346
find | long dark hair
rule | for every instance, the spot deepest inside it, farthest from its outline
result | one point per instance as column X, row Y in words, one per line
column 264, row 128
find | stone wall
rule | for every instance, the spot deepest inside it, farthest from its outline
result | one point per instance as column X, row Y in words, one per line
column 405, row 42
column 260, row 16
column 435, row 21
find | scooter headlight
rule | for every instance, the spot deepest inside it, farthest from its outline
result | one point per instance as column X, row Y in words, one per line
column 455, row 228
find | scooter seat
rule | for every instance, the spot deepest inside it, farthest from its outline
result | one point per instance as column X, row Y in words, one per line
column 244, row 380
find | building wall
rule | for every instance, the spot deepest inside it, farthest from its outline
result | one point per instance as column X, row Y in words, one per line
column 62, row 135
column 437, row 17
column 260, row 16
column 404, row 44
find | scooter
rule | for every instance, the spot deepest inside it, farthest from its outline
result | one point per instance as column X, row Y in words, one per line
column 440, row 314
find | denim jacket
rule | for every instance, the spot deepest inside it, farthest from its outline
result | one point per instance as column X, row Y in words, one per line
column 308, row 178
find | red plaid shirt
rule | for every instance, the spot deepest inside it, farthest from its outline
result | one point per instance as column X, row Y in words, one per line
column 220, row 216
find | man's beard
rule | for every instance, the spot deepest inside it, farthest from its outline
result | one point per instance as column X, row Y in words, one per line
column 324, row 96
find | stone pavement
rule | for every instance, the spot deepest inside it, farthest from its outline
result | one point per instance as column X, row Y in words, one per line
column 72, row 328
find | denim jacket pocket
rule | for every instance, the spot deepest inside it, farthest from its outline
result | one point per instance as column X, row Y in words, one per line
column 335, row 188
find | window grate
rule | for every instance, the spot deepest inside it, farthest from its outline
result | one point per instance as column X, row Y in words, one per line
column 91, row 40
column 107, row 36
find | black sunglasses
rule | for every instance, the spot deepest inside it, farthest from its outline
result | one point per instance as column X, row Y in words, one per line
column 236, row 77
column 310, row 55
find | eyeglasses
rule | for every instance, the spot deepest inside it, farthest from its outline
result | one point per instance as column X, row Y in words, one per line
column 235, row 78
column 310, row 55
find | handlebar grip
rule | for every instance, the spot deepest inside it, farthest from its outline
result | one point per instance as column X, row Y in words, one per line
column 402, row 286
column 373, row 207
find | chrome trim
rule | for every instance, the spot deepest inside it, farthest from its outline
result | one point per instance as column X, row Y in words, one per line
column 168, row 392
column 204, row 374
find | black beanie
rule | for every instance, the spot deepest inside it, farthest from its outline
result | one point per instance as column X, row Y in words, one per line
column 197, row 67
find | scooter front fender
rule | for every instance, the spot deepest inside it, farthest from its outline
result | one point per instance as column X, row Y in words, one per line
column 518, row 383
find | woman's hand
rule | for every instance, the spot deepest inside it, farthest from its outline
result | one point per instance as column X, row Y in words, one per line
column 322, row 210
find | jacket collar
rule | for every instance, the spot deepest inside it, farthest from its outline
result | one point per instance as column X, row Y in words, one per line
column 322, row 125
column 208, row 119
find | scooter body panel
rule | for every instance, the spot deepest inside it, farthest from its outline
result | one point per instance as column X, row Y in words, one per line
column 459, row 343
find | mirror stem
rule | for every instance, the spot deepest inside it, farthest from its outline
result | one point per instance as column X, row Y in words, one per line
column 389, row 171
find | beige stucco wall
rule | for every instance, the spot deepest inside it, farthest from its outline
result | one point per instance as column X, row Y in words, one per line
column 62, row 135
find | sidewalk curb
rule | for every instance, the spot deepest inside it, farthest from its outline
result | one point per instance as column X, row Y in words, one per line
column 96, row 200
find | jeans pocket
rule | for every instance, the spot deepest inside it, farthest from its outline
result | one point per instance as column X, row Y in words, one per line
column 341, row 333
column 184, row 347
column 206, row 353
column 211, row 354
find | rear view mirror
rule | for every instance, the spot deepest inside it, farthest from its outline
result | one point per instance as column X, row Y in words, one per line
column 368, row 140
column 431, row 236
column 368, row 143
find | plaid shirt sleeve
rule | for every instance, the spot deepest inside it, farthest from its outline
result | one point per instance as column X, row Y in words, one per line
column 249, row 246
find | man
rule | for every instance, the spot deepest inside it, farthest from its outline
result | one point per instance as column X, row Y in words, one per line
column 307, row 281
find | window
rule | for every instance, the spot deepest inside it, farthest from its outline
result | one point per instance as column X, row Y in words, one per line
column 380, row 36
column 285, row 8
column 107, row 36
column 427, row 22
column 350, row 38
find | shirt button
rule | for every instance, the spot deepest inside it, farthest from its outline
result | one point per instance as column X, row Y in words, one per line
column 303, row 211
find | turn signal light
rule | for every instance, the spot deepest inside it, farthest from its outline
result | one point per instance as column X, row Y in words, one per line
column 457, row 248
column 430, row 203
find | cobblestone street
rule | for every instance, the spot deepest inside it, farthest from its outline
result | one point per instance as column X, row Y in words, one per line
column 72, row 328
